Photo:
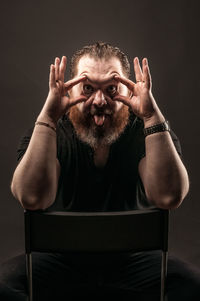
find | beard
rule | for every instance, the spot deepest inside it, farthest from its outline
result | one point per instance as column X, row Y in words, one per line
column 88, row 129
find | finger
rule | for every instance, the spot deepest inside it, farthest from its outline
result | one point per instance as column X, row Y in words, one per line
column 90, row 100
column 137, row 69
column 147, row 75
column 127, row 82
column 52, row 79
column 125, row 100
column 77, row 100
column 62, row 68
column 57, row 63
column 73, row 82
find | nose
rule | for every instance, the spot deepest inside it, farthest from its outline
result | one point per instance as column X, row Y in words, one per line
column 99, row 99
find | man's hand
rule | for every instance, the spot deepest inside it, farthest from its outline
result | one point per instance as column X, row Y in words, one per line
column 58, row 102
column 141, row 100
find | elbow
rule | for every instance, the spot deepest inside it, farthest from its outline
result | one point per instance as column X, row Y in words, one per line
column 170, row 199
column 31, row 202
column 168, row 202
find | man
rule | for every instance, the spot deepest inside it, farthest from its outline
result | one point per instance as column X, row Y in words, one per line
column 100, row 143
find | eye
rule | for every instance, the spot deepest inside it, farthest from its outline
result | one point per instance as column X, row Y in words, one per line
column 112, row 89
column 88, row 89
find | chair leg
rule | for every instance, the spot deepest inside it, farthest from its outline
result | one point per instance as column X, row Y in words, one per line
column 163, row 275
column 29, row 276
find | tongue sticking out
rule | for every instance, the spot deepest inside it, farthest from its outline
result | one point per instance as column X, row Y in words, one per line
column 99, row 119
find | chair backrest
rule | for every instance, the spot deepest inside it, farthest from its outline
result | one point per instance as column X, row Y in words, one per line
column 136, row 230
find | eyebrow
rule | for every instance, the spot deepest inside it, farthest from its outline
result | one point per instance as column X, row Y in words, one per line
column 103, row 82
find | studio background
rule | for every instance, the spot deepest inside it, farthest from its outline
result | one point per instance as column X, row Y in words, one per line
column 166, row 32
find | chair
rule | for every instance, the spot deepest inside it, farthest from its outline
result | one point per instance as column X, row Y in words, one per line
column 137, row 230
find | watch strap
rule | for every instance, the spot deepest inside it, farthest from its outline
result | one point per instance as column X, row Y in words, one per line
column 160, row 127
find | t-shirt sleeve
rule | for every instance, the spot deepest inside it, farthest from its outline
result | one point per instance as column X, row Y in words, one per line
column 176, row 142
column 23, row 143
column 141, row 143
column 25, row 139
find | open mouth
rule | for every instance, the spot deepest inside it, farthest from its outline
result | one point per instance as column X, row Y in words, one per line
column 100, row 116
column 99, row 119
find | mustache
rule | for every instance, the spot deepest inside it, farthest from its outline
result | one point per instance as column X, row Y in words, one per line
column 100, row 111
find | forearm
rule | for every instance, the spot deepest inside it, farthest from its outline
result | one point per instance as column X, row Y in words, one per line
column 164, row 176
column 35, row 179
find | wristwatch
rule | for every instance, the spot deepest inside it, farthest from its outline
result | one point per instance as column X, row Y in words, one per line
column 160, row 127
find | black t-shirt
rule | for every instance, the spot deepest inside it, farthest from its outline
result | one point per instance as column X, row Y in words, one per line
column 84, row 187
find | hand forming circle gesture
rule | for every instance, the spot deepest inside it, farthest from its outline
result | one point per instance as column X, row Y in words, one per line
column 58, row 102
column 141, row 100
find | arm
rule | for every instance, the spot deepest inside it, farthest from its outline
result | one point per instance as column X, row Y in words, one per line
column 35, row 179
column 162, row 172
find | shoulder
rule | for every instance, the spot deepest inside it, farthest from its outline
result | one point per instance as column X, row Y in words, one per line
column 64, row 126
column 134, row 129
column 135, row 125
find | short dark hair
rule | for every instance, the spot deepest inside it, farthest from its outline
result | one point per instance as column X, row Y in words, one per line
column 100, row 50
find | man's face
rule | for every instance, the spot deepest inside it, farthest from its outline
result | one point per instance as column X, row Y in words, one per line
column 99, row 120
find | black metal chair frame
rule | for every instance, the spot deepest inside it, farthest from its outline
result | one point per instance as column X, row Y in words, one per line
column 136, row 230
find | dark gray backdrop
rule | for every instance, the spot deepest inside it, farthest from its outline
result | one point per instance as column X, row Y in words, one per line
column 166, row 32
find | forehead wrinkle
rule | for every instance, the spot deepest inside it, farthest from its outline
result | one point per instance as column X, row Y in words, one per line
column 99, row 67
